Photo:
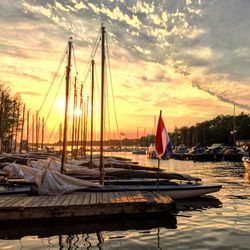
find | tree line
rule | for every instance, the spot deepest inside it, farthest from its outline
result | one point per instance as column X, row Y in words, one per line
column 10, row 119
column 220, row 129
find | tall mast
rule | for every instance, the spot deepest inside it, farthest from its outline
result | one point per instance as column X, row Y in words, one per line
column 37, row 133
column 28, row 124
column 32, row 132
column 42, row 144
column 102, row 103
column 13, row 124
column 66, row 105
column 85, row 125
column 79, row 120
column 21, row 139
column 2, row 110
column 92, row 110
column 17, row 123
column 73, row 121
column 234, row 128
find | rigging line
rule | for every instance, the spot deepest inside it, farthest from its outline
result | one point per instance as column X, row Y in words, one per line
column 55, row 98
column 54, row 77
column 53, row 130
column 97, row 84
column 111, row 85
column 74, row 58
column 93, row 52
column 51, row 104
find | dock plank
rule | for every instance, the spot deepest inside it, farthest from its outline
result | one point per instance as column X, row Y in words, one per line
column 74, row 199
column 86, row 198
column 67, row 200
column 80, row 199
column 92, row 200
column 99, row 198
column 5, row 200
column 106, row 198
column 117, row 197
column 60, row 201
column 83, row 204
column 123, row 197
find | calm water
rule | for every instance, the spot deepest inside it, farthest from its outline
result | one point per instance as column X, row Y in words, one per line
column 218, row 222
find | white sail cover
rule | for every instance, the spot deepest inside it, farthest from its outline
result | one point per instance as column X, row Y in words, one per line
column 48, row 182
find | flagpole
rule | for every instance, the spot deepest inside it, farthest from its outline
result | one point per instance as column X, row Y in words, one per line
column 158, row 169
column 163, row 145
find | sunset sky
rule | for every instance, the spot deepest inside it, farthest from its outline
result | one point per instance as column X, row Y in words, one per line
column 188, row 58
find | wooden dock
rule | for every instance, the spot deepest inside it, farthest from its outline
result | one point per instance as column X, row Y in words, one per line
column 84, row 204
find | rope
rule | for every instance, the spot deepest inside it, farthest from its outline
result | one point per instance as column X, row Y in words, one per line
column 54, row 77
column 51, row 84
column 74, row 59
column 111, row 85
column 54, row 98
column 92, row 55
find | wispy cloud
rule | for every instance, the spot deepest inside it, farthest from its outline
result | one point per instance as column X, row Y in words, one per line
column 158, row 49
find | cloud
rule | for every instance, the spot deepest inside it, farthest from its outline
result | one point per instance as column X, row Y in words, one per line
column 222, row 96
column 156, row 47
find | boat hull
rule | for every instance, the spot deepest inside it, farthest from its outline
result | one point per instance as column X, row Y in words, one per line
column 178, row 191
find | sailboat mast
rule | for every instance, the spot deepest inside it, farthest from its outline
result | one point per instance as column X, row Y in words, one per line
column 42, row 144
column 234, row 128
column 73, row 121
column 102, row 104
column 92, row 112
column 66, row 106
column 17, row 126
column 28, row 127
column 21, row 140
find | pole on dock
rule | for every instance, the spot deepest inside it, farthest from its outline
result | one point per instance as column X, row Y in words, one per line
column 66, row 105
column 28, row 125
column 102, row 103
column 32, row 132
column 42, row 144
column 21, row 139
column 234, row 128
column 159, row 160
column 12, row 129
column 17, row 124
column 2, row 110
column 92, row 112
column 79, row 120
column 73, row 120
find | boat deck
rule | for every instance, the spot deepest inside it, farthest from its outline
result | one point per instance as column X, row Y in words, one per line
column 82, row 204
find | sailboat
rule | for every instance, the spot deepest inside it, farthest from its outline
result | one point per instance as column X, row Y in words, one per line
column 177, row 186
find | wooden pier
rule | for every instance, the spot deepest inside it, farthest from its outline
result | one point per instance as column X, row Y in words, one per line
column 84, row 204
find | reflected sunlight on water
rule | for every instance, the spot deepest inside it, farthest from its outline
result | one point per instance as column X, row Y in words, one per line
column 218, row 222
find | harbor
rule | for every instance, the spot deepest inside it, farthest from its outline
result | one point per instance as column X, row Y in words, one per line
column 224, row 215
column 124, row 125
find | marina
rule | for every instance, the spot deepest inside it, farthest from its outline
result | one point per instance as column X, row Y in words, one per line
column 124, row 125
column 223, row 216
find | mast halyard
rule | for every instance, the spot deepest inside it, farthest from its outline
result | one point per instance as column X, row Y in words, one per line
column 66, row 106
column 101, row 181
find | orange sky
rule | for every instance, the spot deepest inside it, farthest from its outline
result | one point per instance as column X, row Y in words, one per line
column 172, row 57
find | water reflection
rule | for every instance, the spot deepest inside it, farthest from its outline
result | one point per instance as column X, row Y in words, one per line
column 63, row 234
column 200, row 203
column 73, row 227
